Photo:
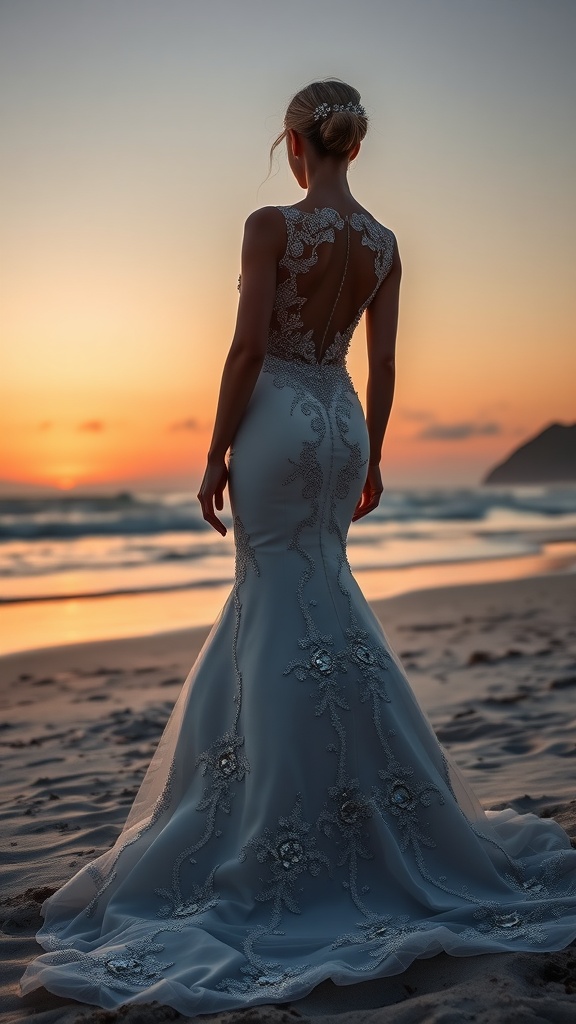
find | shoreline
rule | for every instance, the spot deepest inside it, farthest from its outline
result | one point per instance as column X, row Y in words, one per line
column 564, row 560
column 546, row 555
column 119, row 614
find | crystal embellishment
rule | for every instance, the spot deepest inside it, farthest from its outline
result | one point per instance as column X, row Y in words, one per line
column 400, row 795
column 353, row 809
column 323, row 110
column 507, row 920
column 363, row 654
column 269, row 979
column 227, row 762
column 123, row 966
column 186, row 909
column 290, row 853
column 322, row 661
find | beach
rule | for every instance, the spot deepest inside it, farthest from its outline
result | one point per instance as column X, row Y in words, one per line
column 81, row 567
column 492, row 664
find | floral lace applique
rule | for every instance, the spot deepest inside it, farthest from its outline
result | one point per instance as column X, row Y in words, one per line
column 509, row 921
column 385, row 932
column 403, row 797
column 372, row 660
column 201, row 898
column 288, row 852
column 344, row 820
column 226, row 764
column 267, row 976
column 224, row 761
column 306, row 231
column 245, row 556
column 321, row 383
column 355, row 467
column 137, row 965
column 348, row 815
column 546, row 883
column 133, row 966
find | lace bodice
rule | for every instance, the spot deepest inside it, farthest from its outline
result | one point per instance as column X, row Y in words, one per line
column 313, row 321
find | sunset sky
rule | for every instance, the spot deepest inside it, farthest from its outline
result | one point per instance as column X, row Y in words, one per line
column 134, row 143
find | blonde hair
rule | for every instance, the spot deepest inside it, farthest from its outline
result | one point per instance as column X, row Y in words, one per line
column 334, row 135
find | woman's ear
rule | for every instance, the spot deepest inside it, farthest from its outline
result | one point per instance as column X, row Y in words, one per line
column 295, row 142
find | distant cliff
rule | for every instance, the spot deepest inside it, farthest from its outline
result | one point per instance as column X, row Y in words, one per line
column 548, row 458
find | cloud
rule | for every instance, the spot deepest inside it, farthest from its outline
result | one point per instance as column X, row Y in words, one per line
column 459, row 431
column 91, row 426
column 420, row 415
column 189, row 424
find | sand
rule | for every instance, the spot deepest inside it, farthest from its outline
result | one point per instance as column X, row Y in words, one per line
column 493, row 665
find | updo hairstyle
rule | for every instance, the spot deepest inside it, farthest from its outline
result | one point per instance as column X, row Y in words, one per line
column 334, row 135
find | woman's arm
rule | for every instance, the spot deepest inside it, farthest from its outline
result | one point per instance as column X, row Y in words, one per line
column 261, row 250
column 381, row 328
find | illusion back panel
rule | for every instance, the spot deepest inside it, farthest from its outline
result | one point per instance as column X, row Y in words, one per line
column 331, row 269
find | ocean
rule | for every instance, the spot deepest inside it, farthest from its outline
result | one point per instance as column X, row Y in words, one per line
column 76, row 567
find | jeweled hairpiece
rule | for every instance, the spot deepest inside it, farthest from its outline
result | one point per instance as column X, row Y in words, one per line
column 325, row 109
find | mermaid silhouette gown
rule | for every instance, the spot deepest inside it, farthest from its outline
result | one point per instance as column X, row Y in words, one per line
column 299, row 820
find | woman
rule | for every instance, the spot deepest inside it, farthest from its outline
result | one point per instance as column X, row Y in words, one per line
column 299, row 820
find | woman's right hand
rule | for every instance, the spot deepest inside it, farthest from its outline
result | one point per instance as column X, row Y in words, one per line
column 212, row 493
column 370, row 498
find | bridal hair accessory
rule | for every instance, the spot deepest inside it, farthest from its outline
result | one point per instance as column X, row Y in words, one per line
column 324, row 109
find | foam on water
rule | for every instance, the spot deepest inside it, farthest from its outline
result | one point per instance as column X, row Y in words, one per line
column 80, row 545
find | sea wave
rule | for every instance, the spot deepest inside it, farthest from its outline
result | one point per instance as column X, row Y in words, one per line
column 128, row 513
column 130, row 543
column 122, row 514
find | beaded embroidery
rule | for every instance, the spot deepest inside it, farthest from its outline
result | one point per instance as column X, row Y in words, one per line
column 546, row 883
column 219, row 796
column 385, row 932
column 201, row 898
column 402, row 796
column 288, row 852
column 309, row 230
column 265, row 976
column 505, row 922
column 224, row 761
column 133, row 966
column 318, row 382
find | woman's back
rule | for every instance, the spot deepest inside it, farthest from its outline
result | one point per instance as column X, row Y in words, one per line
column 332, row 266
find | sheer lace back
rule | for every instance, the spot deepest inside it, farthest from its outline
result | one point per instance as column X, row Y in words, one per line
column 330, row 272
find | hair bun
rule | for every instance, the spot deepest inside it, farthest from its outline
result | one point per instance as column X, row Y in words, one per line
column 341, row 132
column 330, row 114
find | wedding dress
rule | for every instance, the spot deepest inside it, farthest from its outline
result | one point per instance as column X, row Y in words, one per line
column 299, row 820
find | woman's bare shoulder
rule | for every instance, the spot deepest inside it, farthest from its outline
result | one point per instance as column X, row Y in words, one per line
column 265, row 218
column 266, row 228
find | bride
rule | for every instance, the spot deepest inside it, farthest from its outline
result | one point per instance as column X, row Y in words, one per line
column 300, row 820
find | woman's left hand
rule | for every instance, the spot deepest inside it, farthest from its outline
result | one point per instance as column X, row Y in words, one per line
column 212, row 493
column 370, row 497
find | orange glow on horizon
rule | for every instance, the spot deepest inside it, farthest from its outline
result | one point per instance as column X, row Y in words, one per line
column 122, row 228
